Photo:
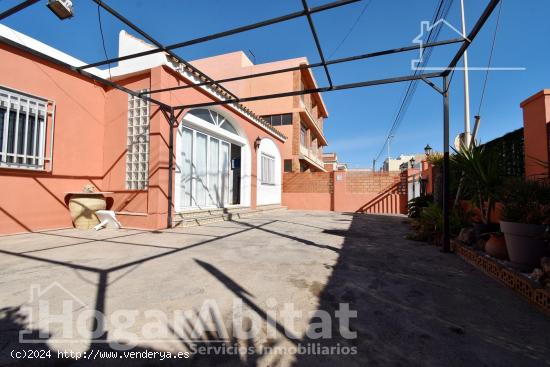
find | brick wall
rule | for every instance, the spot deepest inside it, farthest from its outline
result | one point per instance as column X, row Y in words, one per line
column 353, row 191
column 308, row 182
column 364, row 181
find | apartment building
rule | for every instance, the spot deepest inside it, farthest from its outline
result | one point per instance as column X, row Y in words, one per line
column 299, row 118
column 332, row 163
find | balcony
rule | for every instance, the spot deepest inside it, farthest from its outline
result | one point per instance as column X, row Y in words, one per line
column 311, row 114
column 314, row 158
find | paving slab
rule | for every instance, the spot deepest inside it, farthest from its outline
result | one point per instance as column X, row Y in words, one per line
column 415, row 305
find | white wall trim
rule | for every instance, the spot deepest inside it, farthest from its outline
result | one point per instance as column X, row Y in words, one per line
column 268, row 194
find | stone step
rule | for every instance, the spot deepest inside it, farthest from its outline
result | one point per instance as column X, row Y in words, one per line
column 197, row 213
column 205, row 216
column 199, row 221
column 270, row 207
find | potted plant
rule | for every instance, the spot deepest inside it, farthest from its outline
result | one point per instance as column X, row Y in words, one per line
column 496, row 246
column 481, row 179
column 526, row 221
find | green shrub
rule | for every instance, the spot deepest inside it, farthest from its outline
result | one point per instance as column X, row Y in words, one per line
column 429, row 225
column 416, row 205
column 526, row 201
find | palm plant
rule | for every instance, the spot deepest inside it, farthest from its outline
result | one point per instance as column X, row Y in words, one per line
column 481, row 176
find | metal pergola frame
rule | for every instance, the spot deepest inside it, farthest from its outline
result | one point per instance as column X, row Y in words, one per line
column 229, row 98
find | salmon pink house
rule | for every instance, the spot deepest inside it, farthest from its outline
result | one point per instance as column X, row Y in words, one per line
column 60, row 131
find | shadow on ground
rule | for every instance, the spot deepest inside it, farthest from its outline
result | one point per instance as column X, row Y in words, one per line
column 415, row 307
column 419, row 307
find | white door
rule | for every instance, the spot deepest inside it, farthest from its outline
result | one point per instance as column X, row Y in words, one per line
column 186, row 167
column 214, row 172
column 204, row 170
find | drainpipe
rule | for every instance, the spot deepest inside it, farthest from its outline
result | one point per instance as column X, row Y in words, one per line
column 171, row 123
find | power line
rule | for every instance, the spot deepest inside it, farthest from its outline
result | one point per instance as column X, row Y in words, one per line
column 103, row 38
column 351, row 28
column 441, row 12
column 490, row 59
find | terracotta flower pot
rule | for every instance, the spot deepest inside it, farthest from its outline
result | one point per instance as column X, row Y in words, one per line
column 82, row 208
column 525, row 243
column 496, row 246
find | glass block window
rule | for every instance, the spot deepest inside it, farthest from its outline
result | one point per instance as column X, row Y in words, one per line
column 137, row 157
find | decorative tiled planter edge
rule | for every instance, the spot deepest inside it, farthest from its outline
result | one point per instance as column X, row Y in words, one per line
column 514, row 280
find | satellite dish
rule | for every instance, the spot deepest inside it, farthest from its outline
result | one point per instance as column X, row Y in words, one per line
column 459, row 139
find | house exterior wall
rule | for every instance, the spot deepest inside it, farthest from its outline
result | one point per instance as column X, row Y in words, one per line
column 90, row 138
column 536, row 123
column 33, row 200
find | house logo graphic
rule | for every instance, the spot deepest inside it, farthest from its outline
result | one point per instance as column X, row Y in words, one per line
column 425, row 28
column 50, row 305
column 37, row 293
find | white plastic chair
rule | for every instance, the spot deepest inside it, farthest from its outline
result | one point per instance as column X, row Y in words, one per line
column 107, row 219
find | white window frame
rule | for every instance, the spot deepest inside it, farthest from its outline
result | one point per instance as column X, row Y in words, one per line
column 137, row 143
column 267, row 176
column 34, row 157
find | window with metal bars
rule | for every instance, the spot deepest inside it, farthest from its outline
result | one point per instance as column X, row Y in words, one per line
column 268, row 170
column 137, row 156
column 23, row 126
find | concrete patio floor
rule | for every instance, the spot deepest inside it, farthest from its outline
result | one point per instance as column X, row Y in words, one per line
column 415, row 306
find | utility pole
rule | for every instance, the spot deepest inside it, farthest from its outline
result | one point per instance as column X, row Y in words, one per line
column 389, row 142
column 467, row 135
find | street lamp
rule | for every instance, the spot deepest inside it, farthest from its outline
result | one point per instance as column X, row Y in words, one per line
column 428, row 150
column 412, row 162
column 257, row 143
column 62, row 8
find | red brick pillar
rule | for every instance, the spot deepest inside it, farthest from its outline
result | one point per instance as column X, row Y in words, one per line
column 338, row 189
column 536, row 132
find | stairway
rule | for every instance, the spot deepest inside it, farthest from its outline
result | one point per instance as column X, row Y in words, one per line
column 201, row 217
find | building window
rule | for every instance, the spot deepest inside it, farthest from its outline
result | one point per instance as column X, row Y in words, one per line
column 278, row 120
column 137, row 157
column 303, row 131
column 288, row 165
column 214, row 118
column 23, row 122
column 268, row 170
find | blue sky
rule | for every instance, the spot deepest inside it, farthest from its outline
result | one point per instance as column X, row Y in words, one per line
column 359, row 118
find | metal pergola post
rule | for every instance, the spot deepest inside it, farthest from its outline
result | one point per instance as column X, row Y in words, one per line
column 172, row 125
column 311, row 66
column 317, row 42
column 446, row 161
column 229, row 32
column 368, row 83
column 141, row 32
column 17, row 8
